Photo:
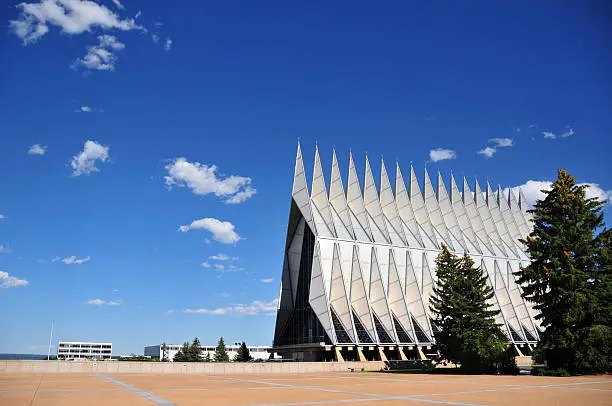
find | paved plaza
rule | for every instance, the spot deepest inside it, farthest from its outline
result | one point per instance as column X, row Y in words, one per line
column 18, row 389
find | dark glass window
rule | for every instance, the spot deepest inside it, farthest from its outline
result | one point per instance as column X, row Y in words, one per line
column 515, row 335
column 362, row 333
column 383, row 336
column 401, row 333
column 420, row 334
column 303, row 326
column 341, row 333
column 529, row 336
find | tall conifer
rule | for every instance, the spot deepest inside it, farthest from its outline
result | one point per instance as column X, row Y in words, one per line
column 568, row 279
column 220, row 352
column 467, row 333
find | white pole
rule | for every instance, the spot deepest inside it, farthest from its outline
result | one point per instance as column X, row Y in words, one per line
column 50, row 338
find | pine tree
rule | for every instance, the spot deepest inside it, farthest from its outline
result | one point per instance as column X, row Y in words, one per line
column 207, row 357
column 182, row 354
column 164, row 352
column 243, row 354
column 467, row 334
column 220, row 352
column 568, row 279
column 195, row 351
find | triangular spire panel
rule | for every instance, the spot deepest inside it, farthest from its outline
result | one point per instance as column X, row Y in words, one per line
column 378, row 298
column 462, row 218
column 418, row 206
column 339, row 298
column 498, row 221
column 355, row 199
column 318, row 295
column 337, row 196
column 397, row 303
column 404, row 207
column 319, row 194
column 358, row 296
column 389, row 208
column 435, row 214
column 448, row 214
column 372, row 204
column 487, row 220
column 300, row 190
column 414, row 299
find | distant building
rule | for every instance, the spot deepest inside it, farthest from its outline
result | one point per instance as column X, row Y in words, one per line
column 156, row 351
column 78, row 349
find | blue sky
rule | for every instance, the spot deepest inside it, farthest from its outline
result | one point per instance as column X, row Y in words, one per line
column 120, row 122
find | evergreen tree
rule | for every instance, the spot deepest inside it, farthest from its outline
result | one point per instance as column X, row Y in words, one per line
column 468, row 334
column 164, row 352
column 220, row 352
column 568, row 279
column 195, row 351
column 207, row 357
column 243, row 354
column 182, row 354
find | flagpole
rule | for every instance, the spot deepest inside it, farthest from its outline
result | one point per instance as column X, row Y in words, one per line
column 50, row 338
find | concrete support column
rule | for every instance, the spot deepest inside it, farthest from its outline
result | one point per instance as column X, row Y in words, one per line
column 401, row 354
column 518, row 350
column 421, row 353
column 339, row 356
column 383, row 357
column 362, row 357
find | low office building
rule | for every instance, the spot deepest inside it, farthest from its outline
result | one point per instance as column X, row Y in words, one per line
column 258, row 352
column 85, row 350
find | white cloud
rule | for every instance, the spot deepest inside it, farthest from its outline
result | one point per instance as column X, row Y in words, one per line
column 532, row 189
column 2, row 216
column 488, row 152
column 55, row 259
column 241, row 196
column 74, row 260
column 501, row 142
column 87, row 109
column 219, row 267
column 155, row 37
column 205, row 264
column 496, row 143
column 37, row 149
column 256, row 307
column 553, row 136
column 101, row 56
column 5, row 250
column 85, row 162
column 168, row 44
column 118, row 4
column 202, row 180
column 440, row 154
column 268, row 280
column 11, row 281
column 222, row 231
column 71, row 16
column 223, row 257
column 100, row 302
